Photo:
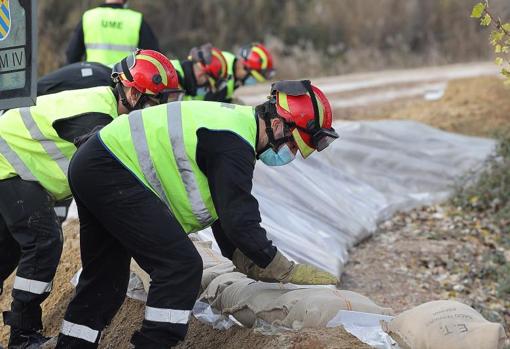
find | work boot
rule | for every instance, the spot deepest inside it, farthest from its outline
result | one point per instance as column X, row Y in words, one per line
column 25, row 339
column 50, row 344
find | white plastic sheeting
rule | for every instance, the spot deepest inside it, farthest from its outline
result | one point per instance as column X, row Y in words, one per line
column 316, row 209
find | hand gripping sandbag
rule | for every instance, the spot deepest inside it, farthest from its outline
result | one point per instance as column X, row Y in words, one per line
column 282, row 270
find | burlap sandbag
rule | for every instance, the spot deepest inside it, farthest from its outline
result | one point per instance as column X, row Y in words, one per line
column 444, row 324
column 216, row 286
column 288, row 305
column 245, row 299
column 210, row 258
column 146, row 279
column 314, row 308
column 213, row 272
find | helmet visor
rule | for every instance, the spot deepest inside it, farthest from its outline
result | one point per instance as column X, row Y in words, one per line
column 323, row 138
column 168, row 95
column 125, row 66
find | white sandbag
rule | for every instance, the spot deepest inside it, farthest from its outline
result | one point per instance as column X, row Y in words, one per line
column 445, row 324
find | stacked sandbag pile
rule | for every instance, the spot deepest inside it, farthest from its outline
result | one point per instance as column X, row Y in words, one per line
column 433, row 325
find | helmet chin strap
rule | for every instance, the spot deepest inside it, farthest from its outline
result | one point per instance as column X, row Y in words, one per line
column 123, row 98
column 268, row 112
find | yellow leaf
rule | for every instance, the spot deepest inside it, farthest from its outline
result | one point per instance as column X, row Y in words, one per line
column 478, row 10
column 486, row 20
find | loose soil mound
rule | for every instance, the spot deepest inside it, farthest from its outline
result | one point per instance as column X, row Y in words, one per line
column 130, row 316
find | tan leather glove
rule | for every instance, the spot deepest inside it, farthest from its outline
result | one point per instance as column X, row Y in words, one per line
column 282, row 270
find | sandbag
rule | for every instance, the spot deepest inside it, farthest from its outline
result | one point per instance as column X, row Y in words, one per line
column 246, row 299
column 444, row 324
column 210, row 258
column 314, row 308
column 221, row 282
column 288, row 305
column 213, row 272
column 144, row 277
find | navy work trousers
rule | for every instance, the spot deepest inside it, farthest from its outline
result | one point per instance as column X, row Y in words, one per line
column 120, row 218
column 30, row 239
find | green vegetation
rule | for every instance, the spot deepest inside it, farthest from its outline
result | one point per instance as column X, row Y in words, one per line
column 487, row 198
column 500, row 35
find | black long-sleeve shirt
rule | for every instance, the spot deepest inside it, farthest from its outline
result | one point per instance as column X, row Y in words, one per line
column 75, row 76
column 228, row 163
column 76, row 48
column 78, row 128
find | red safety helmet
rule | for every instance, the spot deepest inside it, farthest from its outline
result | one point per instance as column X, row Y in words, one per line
column 212, row 60
column 307, row 112
column 257, row 61
column 149, row 72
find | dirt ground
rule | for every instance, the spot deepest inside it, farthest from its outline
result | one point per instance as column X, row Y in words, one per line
column 474, row 106
column 130, row 316
column 400, row 267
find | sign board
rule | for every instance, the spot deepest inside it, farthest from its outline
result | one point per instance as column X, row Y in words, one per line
column 18, row 53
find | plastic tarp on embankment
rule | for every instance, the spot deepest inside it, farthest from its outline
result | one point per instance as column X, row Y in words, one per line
column 316, row 209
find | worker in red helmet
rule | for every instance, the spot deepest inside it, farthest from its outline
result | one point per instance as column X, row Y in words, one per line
column 253, row 64
column 36, row 145
column 175, row 169
column 204, row 71
column 149, row 76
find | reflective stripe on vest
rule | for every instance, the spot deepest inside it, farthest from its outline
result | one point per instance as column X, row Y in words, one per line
column 172, row 316
column 15, row 161
column 110, row 34
column 32, row 286
column 51, row 148
column 79, row 331
column 30, row 146
column 139, row 137
column 198, row 207
column 142, row 150
column 110, row 47
column 161, row 154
